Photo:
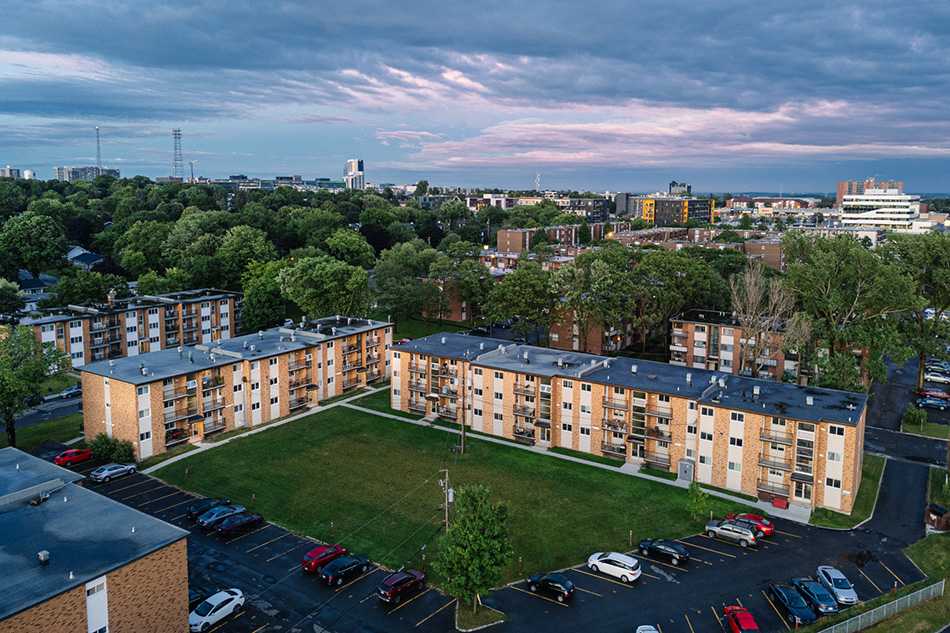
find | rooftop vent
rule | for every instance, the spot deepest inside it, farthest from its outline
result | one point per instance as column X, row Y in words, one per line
column 633, row 368
column 293, row 336
column 712, row 379
column 442, row 340
column 524, row 356
column 809, row 400
column 211, row 357
column 244, row 345
column 481, row 346
column 560, row 362
column 253, row 348
column 722, row 383
column 689, row 378
column 260, row 334
column 43, row 557
column 333, row 331
column 755, row 391
column 144, row 370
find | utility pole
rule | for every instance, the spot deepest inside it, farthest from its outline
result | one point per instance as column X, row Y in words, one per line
column 448, row 494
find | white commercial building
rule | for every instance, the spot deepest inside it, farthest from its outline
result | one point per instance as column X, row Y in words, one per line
column 353, row 174
column 887, row 209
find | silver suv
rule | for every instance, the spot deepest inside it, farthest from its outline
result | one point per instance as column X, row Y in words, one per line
column 731, row 531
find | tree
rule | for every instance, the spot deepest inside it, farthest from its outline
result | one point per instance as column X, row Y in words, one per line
column 264, row 305
column 475, row 547
column 761, row 307
column 727, row 262
column 33, row 241
column 199, row 260
column 193, row 224
column 745, row 222
column 925, row 259
column 139, row 249
column 422, row 188
column 322, row 286
column 11, row 301
column 240, row 246
column 77, row 286
column 400, row 271
column 526, row 294
column 174, row 280
column 12, row 199
column 594, row 292
column 699, row 503
column 24, row 363
column 351, row 247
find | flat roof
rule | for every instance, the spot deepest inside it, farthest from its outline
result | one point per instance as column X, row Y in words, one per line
column 540, row 361
column 450, row 345
column 707, row 316
column 86, row 534
column 64, row 313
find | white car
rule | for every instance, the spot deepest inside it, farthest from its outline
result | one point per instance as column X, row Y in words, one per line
column 933, row 376
column 111, row 471
column 646, row 628
column 626, row 568
column 214, row 609
column 838, row 585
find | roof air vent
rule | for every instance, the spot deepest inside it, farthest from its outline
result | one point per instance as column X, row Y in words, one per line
column 442, row 340
column 43, row 557
column 633, row 368
column 689, row 378
column 810, row 401
column 260, row 334
column 756, row 390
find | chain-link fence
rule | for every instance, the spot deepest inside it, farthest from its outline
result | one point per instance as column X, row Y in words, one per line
column 886, row 610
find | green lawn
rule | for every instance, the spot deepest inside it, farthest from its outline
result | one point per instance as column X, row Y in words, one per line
column 372, row 484
column 58, row 430
column 730, row 492
column 863, row 505
column 599, row 459
column 379, row 401
column 174, row 451
column 56, row 383
column 417, row 328
column 930, row 429
column 939, row 488
column 656, row 472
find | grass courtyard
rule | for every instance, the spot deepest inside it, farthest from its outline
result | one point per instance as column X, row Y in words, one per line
column 372, row 483
column 59, row 430
column 871, row 471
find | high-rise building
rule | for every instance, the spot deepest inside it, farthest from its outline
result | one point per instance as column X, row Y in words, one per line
column 663, row 209
column 879, row 208
column 680, row 188
column 353, row 174
column 857, row 187
column 82, row 174
column 9, row 172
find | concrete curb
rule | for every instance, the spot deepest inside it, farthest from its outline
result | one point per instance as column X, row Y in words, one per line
column 476, row 628
column 877, row 495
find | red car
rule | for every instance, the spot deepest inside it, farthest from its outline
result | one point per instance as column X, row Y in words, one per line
column 73, row 456
column 933, row 393
column 320, row 556
column 757, row 522
column 399, row 584
column 738, row 619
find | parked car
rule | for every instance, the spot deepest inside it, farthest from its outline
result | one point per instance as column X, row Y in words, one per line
column 932, row 403
column 210, row 519
column 838, row 584
column 933, row 393
column 646, row 628
column 937, row 377
column 762, row 526
column 555, row 585
column 400, row 584
column 107, row 473
column 672, row 551
column 73, row 456
column 933, row 364
column 731, row 531
column 626, row 568
column 815, row 594
column 214, row 609
column 344, row 569
column 320, row 556
column 237, row 523
column 738, row 619
column 201, row 506
column 71, row 392
column 791, row 604
column 195, row 597
column 479, row 331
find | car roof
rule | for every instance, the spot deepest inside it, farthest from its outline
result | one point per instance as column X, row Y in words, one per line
column 219, row 597
column 621, row 557
column 831, row 571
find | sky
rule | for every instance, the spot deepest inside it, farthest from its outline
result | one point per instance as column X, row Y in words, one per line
column 613, row 95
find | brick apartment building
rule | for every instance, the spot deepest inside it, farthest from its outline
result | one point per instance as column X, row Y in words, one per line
column 857, row 187
column 569, row 334
column 79, row 561
column 774, row 440
column 520, row 240
column 664, row 209
column 138, row 325
column 164, row 398
column 714, row 340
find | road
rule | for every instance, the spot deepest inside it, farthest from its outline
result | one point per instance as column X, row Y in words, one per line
column 49, row 411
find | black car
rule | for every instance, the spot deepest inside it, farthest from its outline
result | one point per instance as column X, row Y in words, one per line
column 672, row 551
column 791, row 604
column 815, row 594
column 237, row 523
column 201, row 506
column 555, row 585
column 344, row 569
column 210, row 519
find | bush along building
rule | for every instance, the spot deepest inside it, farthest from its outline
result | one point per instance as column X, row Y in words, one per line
column 780, row 442
column 161, row 399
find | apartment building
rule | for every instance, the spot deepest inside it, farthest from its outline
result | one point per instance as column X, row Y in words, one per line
column 172, row 396
column 780, row 442
column 714, row 340
column 75, row 560
column 520, row 240
column 138, row 325
column 662, row 209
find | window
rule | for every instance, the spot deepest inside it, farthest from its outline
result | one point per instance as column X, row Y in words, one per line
column 735, row 466
column 585, row 408
column 477, row 371
column 395, row 392
column 804, row 426
column 834, row 457
column 238, row 408
column 706, row 436
column 706, row 411
column 586, row 387
column 618, row 391
column 330, row 380
column 499, row 395
column 735, row 416
column 833, row 483
column 567, row 384
column 254, row 366
column 255, row 406
column 691, row 429
column 567, row 406
column 143, row 413
column 275, row 400
column 272, row 362
column 663, row 398
column 836, row 430
column 75, row 324
column 273, row 380
column 499, row 375
column 689, row 453
column 478, row 391
column 735, row 441
column 498, row 417
column 90, row 591
column 703, row 459
column 142, row 391
column 153, row 339
column 477, row 412
column 255, row 386
column 567, row 426
column 235, row 368
column 691, row 405
column 147, row 435
column 585, row 430
column 238, row 387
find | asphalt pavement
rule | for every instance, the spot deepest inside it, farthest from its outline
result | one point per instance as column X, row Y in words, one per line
column 50, row 410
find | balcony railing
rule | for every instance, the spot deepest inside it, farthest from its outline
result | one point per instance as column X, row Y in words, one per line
column 175, row 394
column 296, row 403
column 372, row 341
column 774, row 488
column 296, row 365
column 657, row 459
column 614, row 425
column 524, row 435
column 419, row 386
column 767, row 434
column 523, row 410
column 447, row 412
column 614, row 404
column 213, row 428
column 446, row 371
column 660, row 413
column 212, row 405
column 174, row 439
column 659, row 434
column 349, row 349
column 524, row 390
column 776, row 463
column 639, row 431
column 297, row 384
column 373, row 375
column 614, row 450
column 349, row 384
column 182, row 414
column 417, row 406
column 212, row 383
column 418, row 368
column 352, row 365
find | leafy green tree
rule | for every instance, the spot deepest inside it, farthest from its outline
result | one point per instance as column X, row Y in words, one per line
column 200, row 262
column 11, row 301
column 77, row 286
column 399, row 275
column 698, row 502
column 422, row 187
column 745, row 222
column 374, row 223
column 33, row 241
column 139, row 249
column 240, row 246
column 914, row 417
column 24, row 363
column 264, row 305
column 351, row 247
column 726, row 262
column 314, row 225
column 323, row 285
column 476, row 547
column 174, row 280
column 526, row 294
column 12, row 199
column 192, row 225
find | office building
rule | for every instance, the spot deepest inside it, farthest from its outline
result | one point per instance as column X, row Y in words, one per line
column 137, row 325
column 858, row 187
column 169, row 397
column 354, row 177
column 887, row 209
column 74, row 560
column 777, row 441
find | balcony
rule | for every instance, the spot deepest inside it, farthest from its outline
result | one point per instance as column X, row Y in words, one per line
column 445, row 370
column 372, row 376
column 614, row 425
column 349, row 384
column 614, row 450
column 657, row 459
column 775, row 462
column 448, row 392
column 175, row 394
column 417, row 368
column 773, row 488
column 419, row 406
column 213, row 427
column 297, row 403
column 639, row 431
column 767, row 434
column 372, row 341
column 523, row 410
column 296, row 365
column 524, row 435
column 212, row 404
column 352, row 365
column 212, row 382
column 657, row 433
column 447, row 412
column 660, row 413
column 174, row 437
column 524, row 390
column 418, row 385
column 293, row 385
column 181, row 414
column 350, row 348
column 615, row 404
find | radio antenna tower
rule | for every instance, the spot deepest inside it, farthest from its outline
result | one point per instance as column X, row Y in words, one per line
column 98, row 154
column 537, row 182
column 192, row 164
column 178, row 164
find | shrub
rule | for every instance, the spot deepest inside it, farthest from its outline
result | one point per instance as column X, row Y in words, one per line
column 914, row 416
column 699, row 503
column 109, row 449
column 122, row 452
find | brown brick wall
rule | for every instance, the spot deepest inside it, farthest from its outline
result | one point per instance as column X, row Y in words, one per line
column 66, row 613
column 93, row 406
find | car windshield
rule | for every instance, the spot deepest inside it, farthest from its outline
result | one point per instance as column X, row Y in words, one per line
column 795, row 600
column 841, row 583
column 204, row 608
column 765, row 522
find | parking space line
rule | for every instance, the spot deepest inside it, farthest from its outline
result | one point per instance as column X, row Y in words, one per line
column 260, row 529
column 868, row 578
column 534, row 595
column 148, row 480
column 415, row 597
column 180, row 516
column 175, row 505
column 171, row 494
column 284, row 553
column 676, row 567
column 689, row 624
column 774, row 608
column 719, row 540
column 788, row 534
column 593, row 593
column 716, row 615
column 259, row 629
column 356, row 580
column 891, row 572
column 708, row 549
column 267, row 543
column 138, row 494
column 433, row 614
column 605, row 579
column 229, row 620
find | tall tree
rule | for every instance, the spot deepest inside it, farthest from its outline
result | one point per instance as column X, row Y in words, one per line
column 174, row 280
column 11, row 300
column 322, row 286
column 351, row 247
column 33, row 241
column 476, row 546
column 139, row 249
column 399, row 277
column 24, row 363
column 240, row 246
column 264, row 305
column 526, row 294
column 78, row 286
column 762, row 308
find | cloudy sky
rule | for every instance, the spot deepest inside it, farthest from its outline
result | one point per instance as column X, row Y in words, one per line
column 625, row 95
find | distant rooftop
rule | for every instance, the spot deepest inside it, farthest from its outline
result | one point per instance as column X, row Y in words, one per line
column 86, row 534
column 450, row 345
column 541, row 361
column 715, row 317
column 64, row 313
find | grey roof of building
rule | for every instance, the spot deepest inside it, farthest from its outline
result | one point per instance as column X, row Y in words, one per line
column 87, row 258
column 450, row 345
column 65, row 313
column 27, row 281
column 19, row 470
column 49, row 318
column 168, row 363
column 541, row 361
column 86, row 534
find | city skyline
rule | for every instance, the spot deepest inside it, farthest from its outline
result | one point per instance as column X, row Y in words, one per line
column 764, row 99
